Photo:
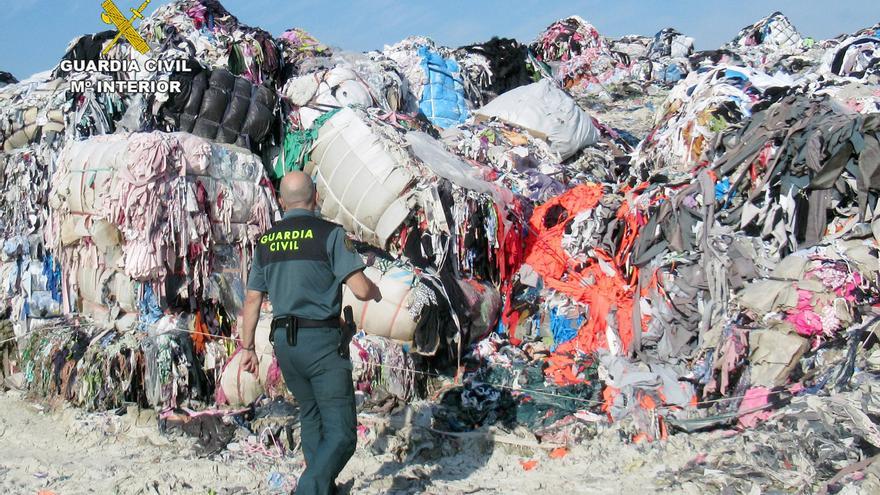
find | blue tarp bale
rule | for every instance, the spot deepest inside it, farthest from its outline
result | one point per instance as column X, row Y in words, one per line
column 443, row 100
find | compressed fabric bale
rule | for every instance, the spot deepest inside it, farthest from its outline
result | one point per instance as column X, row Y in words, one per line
column 337, row 87
column 91, row 175
column 214, row 104
column 31, row 109
column 236, row 112
column 90, row 180
column 548, row 113
column 196, row 94
column 177, row 102
column 361, row 180
column 443, row 100
column 260, row 117
column 390, row 317
column 211, row 193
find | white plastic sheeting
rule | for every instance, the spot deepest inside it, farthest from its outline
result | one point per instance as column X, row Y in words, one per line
column 443, row 163
column 547, row 112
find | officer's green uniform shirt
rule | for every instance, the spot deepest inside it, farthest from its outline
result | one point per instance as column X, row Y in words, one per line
column 301, row 262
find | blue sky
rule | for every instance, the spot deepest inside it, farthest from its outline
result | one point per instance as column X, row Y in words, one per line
column 35, row 33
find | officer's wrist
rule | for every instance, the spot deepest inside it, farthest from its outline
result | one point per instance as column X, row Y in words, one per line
column 249, row 349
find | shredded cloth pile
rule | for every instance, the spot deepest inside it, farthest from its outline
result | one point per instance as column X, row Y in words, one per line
column 579, row 232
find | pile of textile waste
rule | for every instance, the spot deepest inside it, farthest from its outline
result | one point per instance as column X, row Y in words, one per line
column 568, row 235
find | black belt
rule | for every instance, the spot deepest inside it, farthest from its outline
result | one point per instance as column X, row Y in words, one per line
column 291, row 325
column 305, row 322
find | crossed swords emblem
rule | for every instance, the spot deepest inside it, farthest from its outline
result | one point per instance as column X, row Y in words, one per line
column 112, row 15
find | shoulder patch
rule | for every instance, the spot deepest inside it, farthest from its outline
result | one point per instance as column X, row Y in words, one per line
column 348, row 244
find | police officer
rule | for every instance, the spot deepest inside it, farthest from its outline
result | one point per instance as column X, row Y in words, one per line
column 302, row 262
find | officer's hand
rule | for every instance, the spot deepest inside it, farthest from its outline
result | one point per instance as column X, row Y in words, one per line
column 250, row 362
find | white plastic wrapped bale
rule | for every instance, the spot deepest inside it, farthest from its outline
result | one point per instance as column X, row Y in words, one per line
column 361, row 176
column 546, row 112
column 383, row 76
column 669, row 43
column 775, row 30
column 337, row 87
column 240, row 388
column 390, row 317
column 228, row 179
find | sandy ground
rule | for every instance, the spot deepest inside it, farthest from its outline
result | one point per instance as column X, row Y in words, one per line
column 67, row 451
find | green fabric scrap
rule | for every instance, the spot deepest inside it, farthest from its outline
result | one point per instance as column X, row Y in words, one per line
column 296, row 150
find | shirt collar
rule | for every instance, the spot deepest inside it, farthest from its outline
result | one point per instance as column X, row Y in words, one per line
column 298, row 212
